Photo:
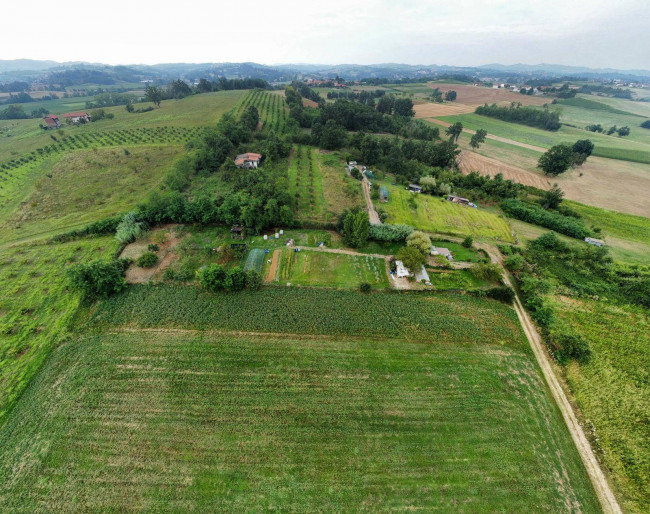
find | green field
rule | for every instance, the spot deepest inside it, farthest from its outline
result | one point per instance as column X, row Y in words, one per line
column 612, row 390
column 24, row 136
column 320, row 185
column 208, row 422
column 35, row 306
column 435, row 214
column 313, row 268
column 605, row 146
column 73, row 189
column 271, row 108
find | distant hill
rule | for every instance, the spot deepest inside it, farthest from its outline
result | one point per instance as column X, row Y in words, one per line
column 75, row 73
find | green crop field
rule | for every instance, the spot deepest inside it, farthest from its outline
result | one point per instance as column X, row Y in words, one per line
column 434, row 214
column 456, row 279
column 35, row 306
column 613, row 146
column 612, row 390
column 211, row 423
column 24, row 136
column 315, row 268
column 271, row 107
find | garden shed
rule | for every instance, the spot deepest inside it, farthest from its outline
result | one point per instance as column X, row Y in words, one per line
column 383, row 194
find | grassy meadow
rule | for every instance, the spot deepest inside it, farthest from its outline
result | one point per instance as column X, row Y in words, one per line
column 435, row 214
column 35, row 306
column 612, row 390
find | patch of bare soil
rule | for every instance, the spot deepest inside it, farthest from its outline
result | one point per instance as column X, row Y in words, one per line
column 433, row 110
column 166, row 255
column 274, row 266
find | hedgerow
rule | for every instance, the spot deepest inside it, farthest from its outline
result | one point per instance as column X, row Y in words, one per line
column 536, row 215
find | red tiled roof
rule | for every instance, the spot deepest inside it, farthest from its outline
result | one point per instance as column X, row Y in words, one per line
column 74, row 114
column 51, row 117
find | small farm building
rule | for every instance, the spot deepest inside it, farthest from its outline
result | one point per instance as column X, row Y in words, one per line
column 237, row 232
column 422, row 275
column 248, row 160
column 595, row 242
column 442, row 251
column 458, row 199
column 414, row 188
column 400, row 270
column 77, row 117
column 52, row 121
column 383, row 194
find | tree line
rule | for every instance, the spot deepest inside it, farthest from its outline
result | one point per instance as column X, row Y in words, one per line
column 541, row 118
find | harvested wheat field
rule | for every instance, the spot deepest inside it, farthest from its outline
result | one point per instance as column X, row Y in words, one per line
column 605, row 183
column 476, row 95
column 432, row 110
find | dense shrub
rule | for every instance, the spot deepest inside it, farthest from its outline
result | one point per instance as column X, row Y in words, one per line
column 365, row 287
column 503, row 294
column 570, row 346
column 468, row 242
column 391, row 233
column 235, row 279
column 514, row 262
column 487, row 271
column 212, row 277
column 129, row 228
column 147, row 260
column 538, row 216
column 253, row 279
column 98, row 279
column 153, row 247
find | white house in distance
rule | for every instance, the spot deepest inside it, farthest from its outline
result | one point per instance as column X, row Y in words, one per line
column 77, row 117
column 248, row 160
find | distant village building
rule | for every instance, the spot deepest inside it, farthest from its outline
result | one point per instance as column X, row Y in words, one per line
column 52, row 121
column 414, row 188
column 594, row 241
column 77, row 117
column 248, row 160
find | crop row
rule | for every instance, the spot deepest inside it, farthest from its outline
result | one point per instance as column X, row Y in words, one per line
column 135, row 136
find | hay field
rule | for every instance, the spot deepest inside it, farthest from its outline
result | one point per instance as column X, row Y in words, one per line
column 476, row 95
column 433, row 110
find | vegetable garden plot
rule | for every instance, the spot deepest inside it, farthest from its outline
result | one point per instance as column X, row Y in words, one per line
column 255, row 260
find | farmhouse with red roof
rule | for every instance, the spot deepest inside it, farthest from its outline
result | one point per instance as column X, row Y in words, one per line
column 76, row 117
column 248, row 160
column 52, row 121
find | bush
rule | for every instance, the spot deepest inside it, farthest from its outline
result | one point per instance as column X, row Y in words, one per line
column 147, row 260
column 235, row 279
column 487, row 271
column 365, row 287
column 570, row 346
column 212, row 277
column 253, row 279
column 420, row 241
column 468, row 242
column 153, row 247
column 503, row 294
column 98, row 279
column 411, row 257
column 514, row 262
column 128, row 228
column 390, row 233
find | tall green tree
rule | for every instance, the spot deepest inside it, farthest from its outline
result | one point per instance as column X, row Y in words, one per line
column 454, row 131
column 450, row 96
column 552, row 198
column 153, row 94
column 478, row 138
column 355, row 227
column 556, row 160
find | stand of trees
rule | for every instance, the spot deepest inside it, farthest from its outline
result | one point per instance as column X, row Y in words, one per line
column 516, row 113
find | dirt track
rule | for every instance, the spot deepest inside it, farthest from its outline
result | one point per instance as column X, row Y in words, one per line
column 603, row 490
column 372, row 213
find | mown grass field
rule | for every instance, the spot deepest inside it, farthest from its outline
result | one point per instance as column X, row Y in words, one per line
column 314, row 268
column 435, row 214
column 613, row 147
column 79, row 187
column 612, row 390
column 35, row 306
column 386, row 401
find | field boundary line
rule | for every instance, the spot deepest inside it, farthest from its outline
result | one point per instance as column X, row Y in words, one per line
column 598, row 479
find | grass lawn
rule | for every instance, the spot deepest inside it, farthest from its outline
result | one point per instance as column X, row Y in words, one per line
column 201, row 421
column 315, row 268
column 612, row 390
column 456, row 279
column 35, row 306
column 459, row 252
column 435, row 214
column 76, row 188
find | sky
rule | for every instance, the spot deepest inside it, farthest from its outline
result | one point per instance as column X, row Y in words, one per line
column 593, row 33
